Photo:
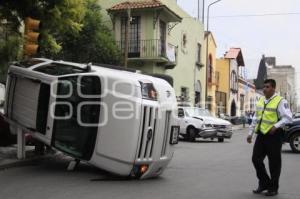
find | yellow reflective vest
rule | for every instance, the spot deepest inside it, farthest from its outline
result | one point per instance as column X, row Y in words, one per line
column 266, row 114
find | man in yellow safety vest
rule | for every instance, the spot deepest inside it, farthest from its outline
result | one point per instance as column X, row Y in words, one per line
column 272, row 113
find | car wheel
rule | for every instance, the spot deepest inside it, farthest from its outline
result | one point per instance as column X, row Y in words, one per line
column 220, row 139
column 191, row 134
column 295, row 143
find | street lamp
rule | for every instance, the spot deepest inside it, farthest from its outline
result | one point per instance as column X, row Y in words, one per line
column 203, row 6
column 207, row 20
column 207, row 30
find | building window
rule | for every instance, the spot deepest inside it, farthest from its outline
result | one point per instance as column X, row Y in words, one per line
column 162, row 39
column 198, row 94
column 210, row 69
column 209, row 103
column 184, row 40
column 234, row 81
column 184, row 94
column 242, row 102
column 221, row 102
column 133, row 37
column 198, row 53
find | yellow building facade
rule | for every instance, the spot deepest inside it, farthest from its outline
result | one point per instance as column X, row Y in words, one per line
column 223, row 86
column 212, row 79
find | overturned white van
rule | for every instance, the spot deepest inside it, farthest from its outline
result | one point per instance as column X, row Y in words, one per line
column 119, row 121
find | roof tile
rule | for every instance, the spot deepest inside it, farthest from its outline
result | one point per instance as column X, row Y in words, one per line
column 232, row 53
column 137, row 5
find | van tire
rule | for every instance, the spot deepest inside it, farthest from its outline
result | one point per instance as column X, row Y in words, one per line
column 191, row 133
column 220, row 139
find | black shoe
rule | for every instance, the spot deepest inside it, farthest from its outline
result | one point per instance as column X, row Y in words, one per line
column 271, row 193
column 259, row 190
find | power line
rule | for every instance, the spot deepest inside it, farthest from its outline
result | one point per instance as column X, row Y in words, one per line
column 254, row 15
column 258, row 15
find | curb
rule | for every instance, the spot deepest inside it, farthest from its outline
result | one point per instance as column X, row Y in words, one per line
column 20, row 163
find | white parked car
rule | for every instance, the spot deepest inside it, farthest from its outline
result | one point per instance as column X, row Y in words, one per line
column 117, row 120
column 199, row 123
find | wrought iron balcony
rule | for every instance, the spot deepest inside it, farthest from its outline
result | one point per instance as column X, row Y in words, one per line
column 152, row 50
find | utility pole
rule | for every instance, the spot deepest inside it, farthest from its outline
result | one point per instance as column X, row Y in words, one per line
column 127, row 38
column 198, row 10
column 203, row 10
column 207, row 30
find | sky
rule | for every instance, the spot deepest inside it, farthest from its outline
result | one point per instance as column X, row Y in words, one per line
column 276, row 35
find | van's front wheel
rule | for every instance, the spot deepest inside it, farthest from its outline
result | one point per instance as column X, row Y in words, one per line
column 191, row 134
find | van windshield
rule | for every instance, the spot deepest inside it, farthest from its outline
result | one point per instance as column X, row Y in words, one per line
column 198, row 112
column 75, row 126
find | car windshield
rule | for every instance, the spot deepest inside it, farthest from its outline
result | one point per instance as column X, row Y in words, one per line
column 198, row 112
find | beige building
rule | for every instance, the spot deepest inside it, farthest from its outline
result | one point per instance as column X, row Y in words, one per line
column 163, row 39
column 247, row 96
column 285, row 80
column 236, row 61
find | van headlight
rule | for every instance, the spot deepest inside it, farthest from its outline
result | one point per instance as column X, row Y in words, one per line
column 208, row 125
column 148, row 90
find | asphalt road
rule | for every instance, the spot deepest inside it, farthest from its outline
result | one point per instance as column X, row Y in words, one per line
column 207, row 170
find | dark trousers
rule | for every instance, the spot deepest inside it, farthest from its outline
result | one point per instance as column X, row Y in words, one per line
column 270, row 146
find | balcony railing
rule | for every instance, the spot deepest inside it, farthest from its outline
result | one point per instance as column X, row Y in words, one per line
column 153, row 49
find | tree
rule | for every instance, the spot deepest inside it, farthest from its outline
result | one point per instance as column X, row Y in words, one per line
column 71, row 29
column 94, row 43
column 58, row 17
column 10, row 45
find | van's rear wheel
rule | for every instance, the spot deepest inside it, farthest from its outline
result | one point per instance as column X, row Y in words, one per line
column 220, row 139
column 295, row 143
column 191, row 134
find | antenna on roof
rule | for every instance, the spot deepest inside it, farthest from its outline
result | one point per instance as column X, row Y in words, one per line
column 89, row 67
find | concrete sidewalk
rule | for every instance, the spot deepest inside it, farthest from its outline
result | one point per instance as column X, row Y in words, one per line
column 8, row 157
